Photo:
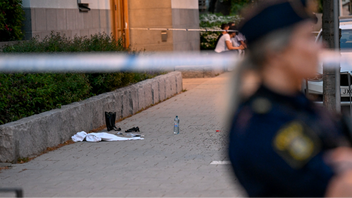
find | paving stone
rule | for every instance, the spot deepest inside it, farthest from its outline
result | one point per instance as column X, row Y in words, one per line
column 163, row 164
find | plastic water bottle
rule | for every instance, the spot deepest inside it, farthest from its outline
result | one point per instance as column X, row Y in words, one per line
column 176, row 125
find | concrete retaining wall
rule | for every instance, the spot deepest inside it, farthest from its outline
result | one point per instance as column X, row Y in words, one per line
column 3, row 44
column 32, row 135
column 196, row 72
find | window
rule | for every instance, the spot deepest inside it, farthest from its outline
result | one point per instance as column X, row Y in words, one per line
column 346, row 39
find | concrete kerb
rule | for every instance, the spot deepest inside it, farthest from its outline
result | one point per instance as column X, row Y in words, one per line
column 8, row 43
column 195, row 72
column 31, row 136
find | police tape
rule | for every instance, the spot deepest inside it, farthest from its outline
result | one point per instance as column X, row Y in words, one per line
column 116, row 62
column 182, row 29
column 112, row 62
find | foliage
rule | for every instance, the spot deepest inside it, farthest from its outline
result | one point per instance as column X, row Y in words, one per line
column 213, row 21
column 23, row 94
column 208, row 39
column 238, row 5
column 11, row 19
column 320, row 6
column 57, row 42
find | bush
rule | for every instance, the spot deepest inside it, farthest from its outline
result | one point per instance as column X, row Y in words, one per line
column 57, row 42
column 213, row 21
column 11, row 20
column 23, row 95
column 210, row 20
column 208, row 39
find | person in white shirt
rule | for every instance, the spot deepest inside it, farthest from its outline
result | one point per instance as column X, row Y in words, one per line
column 224, row 27
column 240, row 38
column 225, row 43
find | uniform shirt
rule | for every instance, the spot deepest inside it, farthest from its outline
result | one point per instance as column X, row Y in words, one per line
column 221, row 45
column 277, row 144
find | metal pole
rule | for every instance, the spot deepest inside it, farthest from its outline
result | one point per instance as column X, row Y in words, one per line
column 337, row 48
column 349, row 90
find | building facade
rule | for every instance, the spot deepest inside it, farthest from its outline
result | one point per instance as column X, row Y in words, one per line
column 345, row 7
column 120, row 17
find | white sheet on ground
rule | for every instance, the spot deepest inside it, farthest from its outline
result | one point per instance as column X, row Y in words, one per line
column 93, row 138
column 97, row 137
column 79, row 137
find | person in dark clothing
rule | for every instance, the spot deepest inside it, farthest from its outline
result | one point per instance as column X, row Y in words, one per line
column 281, row 143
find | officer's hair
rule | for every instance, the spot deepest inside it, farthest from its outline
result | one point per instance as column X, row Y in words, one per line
column 255, row 59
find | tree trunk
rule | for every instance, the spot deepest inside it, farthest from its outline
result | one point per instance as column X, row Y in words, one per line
column 223, row 7
column 329, row 82
column 212, row 6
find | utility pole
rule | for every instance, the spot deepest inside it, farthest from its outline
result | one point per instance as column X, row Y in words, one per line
column 331, row 77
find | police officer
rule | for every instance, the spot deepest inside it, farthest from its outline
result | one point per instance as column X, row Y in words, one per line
column 281, row 143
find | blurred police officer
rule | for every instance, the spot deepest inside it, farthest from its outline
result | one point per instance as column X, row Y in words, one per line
column 281, row 143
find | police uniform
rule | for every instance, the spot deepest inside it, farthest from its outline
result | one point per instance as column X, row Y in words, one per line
column 277, row 142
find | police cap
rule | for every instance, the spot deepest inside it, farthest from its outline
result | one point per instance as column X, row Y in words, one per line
column 275, row 15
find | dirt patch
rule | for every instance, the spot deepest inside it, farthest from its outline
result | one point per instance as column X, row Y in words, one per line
column 4, row 168
column 27, row 159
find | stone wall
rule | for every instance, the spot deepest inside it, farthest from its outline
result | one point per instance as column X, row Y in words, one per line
column 32, row 135
column 44, row 16
column 196, row 72
column 42, row 21
column 164, row 14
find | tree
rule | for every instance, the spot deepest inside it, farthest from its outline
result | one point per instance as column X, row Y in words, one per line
column 227, row 7
column 237, row 5
column 212, row 6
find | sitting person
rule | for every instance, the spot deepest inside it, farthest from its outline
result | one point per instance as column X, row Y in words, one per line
column 225, row 27
column 225, row 43
column 239, row 40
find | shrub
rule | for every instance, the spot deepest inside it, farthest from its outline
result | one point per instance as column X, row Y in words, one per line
column 210, row 20
column 23, row 95
column 57, row 42
column 11, row 20
column 208, row 39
